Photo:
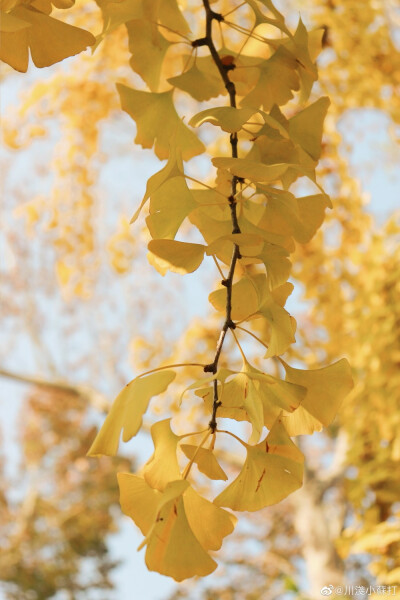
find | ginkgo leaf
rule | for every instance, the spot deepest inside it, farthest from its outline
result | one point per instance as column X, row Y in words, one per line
column 252, row 386
column 148, row 47
column 179, row 257
column 166, row 12
column 169, row 206
column 172, row 548
column 305, row 128
column 299, row 217
column 173, row 168
column 276, row 395
column 209, row 523
column 277, row 264
column 48, row 39
column 278, row 77
column 253, row 171
column 138, row 500
column 127, row 411
column 249, row 244
column 245, row 301
column 163, row 466
column 273, row 469
column 299, row 45
column 212, row 229
column 228, row 118
column 116, row 13
column 201, row 83
column 14, row 48
column 157, row 122
column 278, row 20
column 281, row 325
column 205, row 460
column 326, row 388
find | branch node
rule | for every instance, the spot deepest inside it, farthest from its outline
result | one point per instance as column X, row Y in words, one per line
column 231, row 324
column 216, row 16
column 200, row 42
column 225, row 282
column 211, row 368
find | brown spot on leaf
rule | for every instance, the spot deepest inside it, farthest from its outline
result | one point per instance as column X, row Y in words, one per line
column 260, row 480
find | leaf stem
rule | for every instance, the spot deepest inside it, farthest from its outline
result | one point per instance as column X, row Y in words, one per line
column 189, row 465
column 253, row 335
column 233, row 435
column 168, row 367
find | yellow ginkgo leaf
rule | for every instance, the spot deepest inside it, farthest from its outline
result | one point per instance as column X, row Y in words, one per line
column 173, row 168
column 245, row 301
column 48, row 39
column 312, row 213
column 326, row 388
column 116, row 13
column 166, row 12
column 278, row 20
column 299, row 217
column 299, row 44
column 281, row 324
column 138, row 500
column 249, row 244
column 228, row 118
column 305, row 128
column 273, row 469
column 127, row 411
column 170, row 204
column 205, row 460
column 276, row 395
column 278, row 77
column 158, row 122
column 163, row 465
column 277, row 264
column 202, row 80
column 148, row 47
column 179, row 257
column 253, row 171
column 212, row 229
column 172, row 548
column 209, row 523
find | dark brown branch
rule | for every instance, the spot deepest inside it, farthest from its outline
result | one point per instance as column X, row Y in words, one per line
column 228, row 282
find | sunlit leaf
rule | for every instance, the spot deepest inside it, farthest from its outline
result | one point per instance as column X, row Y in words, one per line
column 157, row 122
column 148, row 47
column 48, row 39
column 251, row 170
column 138, row 500
column 205, row 460
column 326, row 389
column 245, row 299
column 228, row 118
column 273, row 469
column 127, row 411
column 202, row 80
column 179, row 257
column 173, row 168
column 209, row 523
column 305, row 128
column 169, row 206
column 163, row 466
column 172, row 548
column 278, row 77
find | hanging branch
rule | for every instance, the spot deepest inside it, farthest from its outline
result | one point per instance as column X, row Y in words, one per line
column 228, row 282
